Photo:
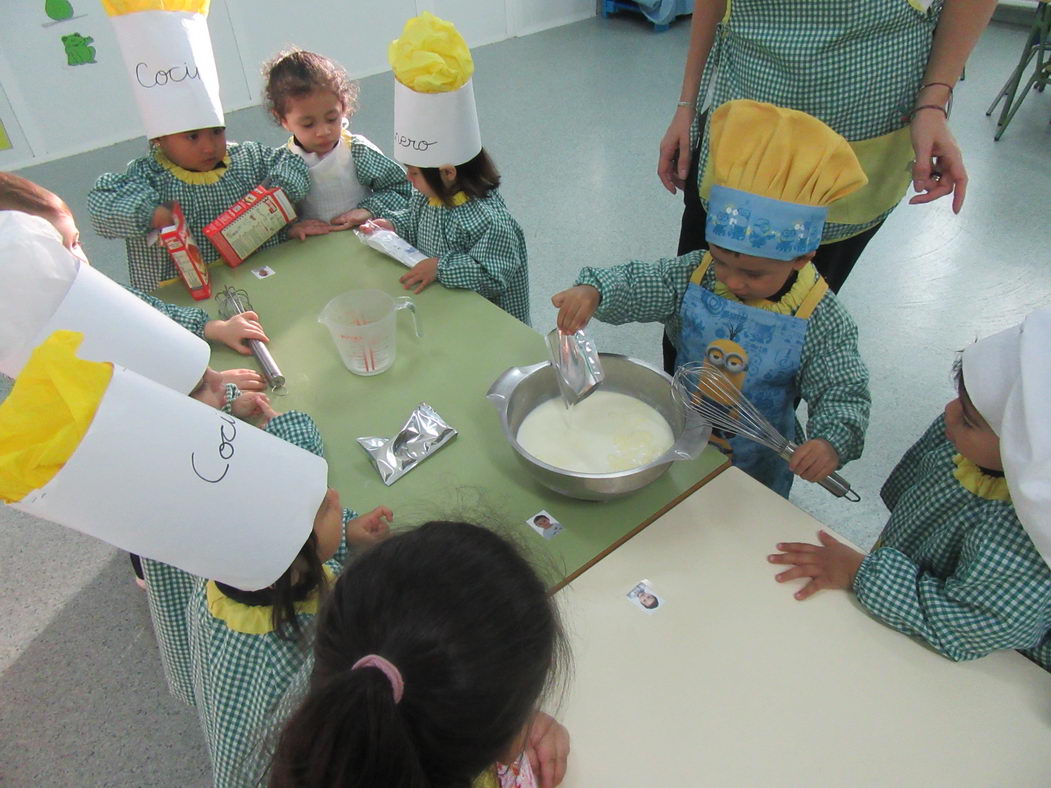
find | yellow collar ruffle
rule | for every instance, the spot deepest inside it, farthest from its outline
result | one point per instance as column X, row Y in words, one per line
column 458, row 199
column 213, row 175
column 255, row 619
column 789, row 303
column 971, row 478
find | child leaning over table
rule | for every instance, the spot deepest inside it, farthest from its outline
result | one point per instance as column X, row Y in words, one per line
column 753, row 305
column 189, row 160
column 964, row 560
column 351, row 180
column 456, row 215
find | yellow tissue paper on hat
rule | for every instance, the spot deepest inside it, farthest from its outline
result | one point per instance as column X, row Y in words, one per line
column 781, row 153
column 121, row 7
column 430, row 56
column 47, row 413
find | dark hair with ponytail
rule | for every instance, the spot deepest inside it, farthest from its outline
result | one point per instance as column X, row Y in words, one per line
column 469, row 625
column 476, row 178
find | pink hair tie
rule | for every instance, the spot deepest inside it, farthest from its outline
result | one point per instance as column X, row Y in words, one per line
column 397, row 684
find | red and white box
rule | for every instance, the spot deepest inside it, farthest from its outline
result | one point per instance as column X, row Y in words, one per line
column 249, row 223
column 186, row 255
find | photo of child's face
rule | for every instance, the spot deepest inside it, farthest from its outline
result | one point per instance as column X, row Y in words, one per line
column 545, row 525
column 644, row 597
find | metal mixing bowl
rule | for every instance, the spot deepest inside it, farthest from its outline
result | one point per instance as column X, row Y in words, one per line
column 521, row 389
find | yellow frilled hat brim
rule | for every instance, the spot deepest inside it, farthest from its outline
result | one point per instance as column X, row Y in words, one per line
column 47, row 414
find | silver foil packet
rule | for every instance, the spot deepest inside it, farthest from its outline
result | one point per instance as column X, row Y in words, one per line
column 576, row 363
column 423, row 434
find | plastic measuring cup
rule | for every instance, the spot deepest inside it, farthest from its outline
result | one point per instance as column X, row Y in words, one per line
column 362, row 326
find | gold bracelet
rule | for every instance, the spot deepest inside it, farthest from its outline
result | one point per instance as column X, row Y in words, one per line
column 690, row 104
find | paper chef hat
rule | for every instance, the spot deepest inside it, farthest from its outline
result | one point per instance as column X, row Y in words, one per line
column 1007, row 377
column 435, row 119
column 100, row 449
column 44, row 287
column 775, row 173
column 168, row 55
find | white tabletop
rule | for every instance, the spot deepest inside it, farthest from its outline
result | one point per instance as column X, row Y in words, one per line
column 733, row 682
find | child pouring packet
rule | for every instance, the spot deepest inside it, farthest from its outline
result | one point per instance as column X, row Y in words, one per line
column 249, row 223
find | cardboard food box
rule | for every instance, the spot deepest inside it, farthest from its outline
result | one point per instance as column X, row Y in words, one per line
column 186, row 255
column 249, row 223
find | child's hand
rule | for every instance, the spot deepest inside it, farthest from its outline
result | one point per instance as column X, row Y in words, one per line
column 547, row 748
column 371, row 528
column 814, row 460
column 162, row 217
column 244, row 379
column 421, row 274
column 236, row 330
column 575, row 307
column 249, row 405
column 375, row 224
column 300, row 230
column 267, row 413
column 351, row 219
column 829, row 565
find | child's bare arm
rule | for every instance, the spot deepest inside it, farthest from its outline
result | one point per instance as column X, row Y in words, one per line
column 370, row 528
column 829, row 565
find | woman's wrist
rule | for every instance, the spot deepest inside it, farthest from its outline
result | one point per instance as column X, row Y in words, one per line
column 936, row 95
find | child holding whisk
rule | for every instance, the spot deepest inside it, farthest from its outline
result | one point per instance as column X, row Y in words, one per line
column 456, row 215
column 753, row 306
column 963, row 562
column 350, row 179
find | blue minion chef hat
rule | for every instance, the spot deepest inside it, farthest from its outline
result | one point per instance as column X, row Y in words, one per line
column 775, row 172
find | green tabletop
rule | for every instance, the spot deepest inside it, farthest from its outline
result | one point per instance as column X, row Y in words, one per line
column 467, row 343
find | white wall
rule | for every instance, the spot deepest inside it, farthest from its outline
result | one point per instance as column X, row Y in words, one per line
column 51, row 109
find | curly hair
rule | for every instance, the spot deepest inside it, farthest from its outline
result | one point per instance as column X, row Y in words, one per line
column 297, row 72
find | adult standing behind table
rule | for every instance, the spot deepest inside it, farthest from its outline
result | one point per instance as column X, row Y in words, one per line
column 881, row 73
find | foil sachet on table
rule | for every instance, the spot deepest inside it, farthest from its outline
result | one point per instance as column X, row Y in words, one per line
column 576, row 363
column 423, row 434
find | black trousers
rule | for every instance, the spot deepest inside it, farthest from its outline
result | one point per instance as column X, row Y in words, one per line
column 833, row 261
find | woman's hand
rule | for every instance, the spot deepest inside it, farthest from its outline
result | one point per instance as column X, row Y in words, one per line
column 673, row 167
column 938, row 169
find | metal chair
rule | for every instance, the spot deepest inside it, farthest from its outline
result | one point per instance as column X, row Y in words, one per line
column 1038, row 46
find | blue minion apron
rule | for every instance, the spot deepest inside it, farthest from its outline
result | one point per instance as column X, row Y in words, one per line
column 759, row 351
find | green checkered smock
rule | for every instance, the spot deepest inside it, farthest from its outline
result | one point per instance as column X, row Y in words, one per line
column 234, row 679
column 952, row 567
column 189, row 317
column 479, row 247
column 832, row 378
column 122, row 206
column 857, row 66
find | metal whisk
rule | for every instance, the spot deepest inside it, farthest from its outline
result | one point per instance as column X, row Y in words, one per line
column 708, row 391
column 233, row 302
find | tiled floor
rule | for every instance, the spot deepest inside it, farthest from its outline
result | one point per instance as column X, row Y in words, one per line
column 573, row 117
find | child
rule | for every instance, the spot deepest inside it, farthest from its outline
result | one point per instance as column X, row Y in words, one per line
column 456, row 214
column 430, row 657
column 963, row 561
column 753, row 305
column 189, row 160
column 23, row 196
column 350, row 179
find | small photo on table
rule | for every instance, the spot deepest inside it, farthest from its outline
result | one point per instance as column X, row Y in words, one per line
column 263, row 272
column 545, row 524
column 645, row 598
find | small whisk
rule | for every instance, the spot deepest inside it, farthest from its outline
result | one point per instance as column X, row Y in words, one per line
column 233, row 302
column 711, row 393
